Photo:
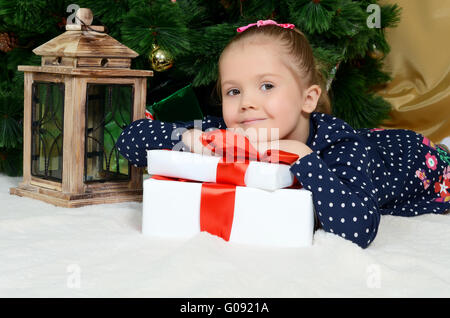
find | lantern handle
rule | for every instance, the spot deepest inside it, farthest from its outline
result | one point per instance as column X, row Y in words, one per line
column 83, row 19
column 84, row 16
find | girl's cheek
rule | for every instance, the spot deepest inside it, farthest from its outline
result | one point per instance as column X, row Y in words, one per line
column 272, row 111
column 227, row 116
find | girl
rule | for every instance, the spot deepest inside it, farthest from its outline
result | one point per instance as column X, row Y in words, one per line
column 268, row 79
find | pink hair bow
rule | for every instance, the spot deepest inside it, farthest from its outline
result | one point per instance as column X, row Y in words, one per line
column 265, row 22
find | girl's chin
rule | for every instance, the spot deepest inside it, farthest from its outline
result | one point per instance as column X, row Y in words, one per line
column 256, row 133
column 256, row 136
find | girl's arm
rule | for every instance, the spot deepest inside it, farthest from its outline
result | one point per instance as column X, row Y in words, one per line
column 292, row 146
column 343, row 192
column 145, row 134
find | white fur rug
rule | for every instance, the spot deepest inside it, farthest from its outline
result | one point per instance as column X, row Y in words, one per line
column 98, row 251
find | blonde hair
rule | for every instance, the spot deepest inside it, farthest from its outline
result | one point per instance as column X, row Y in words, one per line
column 299, row 50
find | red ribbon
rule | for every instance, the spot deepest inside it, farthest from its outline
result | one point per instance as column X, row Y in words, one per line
column 232, row 147
column 216, row 206
column 231, row 173
column 217, row 209
column 236, row 151
column 149, row 115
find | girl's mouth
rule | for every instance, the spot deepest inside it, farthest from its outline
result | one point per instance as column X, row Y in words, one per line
column 252, row 121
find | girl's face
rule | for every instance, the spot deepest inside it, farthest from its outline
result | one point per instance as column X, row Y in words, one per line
column 260, row 90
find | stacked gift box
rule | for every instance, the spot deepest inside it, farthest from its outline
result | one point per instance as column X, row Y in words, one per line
column 254, row 202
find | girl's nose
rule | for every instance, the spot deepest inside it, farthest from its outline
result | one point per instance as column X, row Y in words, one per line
column 247, row 105
column 249, row 100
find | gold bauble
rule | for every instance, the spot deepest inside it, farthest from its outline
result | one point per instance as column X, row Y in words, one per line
column 161, row 60
column 375, row 53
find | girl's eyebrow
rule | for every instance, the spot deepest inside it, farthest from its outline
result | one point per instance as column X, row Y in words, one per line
column 258, row 76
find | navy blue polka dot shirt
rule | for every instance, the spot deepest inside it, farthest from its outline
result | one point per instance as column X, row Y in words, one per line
column 355, row 176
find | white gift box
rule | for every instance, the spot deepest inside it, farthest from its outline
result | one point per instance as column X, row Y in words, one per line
column 197, row 167
column 280, row 218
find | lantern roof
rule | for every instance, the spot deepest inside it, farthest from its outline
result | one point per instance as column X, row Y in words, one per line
column 84, row 40
column 85, row 50
column 84, row 44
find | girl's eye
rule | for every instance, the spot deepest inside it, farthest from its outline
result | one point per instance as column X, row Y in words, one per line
column 269, row 86
column 232, row 90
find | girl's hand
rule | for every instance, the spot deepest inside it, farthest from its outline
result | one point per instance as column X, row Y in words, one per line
column 292, row 146
column 191, row 138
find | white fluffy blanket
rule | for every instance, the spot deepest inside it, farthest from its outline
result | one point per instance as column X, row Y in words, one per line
column 98, row 251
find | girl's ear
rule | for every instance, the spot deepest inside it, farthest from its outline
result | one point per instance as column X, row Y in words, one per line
column 311, row 96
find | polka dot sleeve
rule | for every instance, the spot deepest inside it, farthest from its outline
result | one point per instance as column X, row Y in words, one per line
column 343, row 192
column 145, row 134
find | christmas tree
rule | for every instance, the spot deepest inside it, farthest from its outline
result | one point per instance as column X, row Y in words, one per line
column 181, row 40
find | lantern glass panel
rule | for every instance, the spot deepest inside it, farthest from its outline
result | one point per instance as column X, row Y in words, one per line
column 109, row 109
column 47, row 123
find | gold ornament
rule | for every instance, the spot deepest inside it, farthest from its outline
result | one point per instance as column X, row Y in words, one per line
column 375, row 53
column 160, row 59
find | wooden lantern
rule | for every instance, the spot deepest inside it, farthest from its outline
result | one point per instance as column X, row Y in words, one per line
column 76, row 105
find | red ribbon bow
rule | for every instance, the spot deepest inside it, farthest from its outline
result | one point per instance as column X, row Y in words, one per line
column 237, row 148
